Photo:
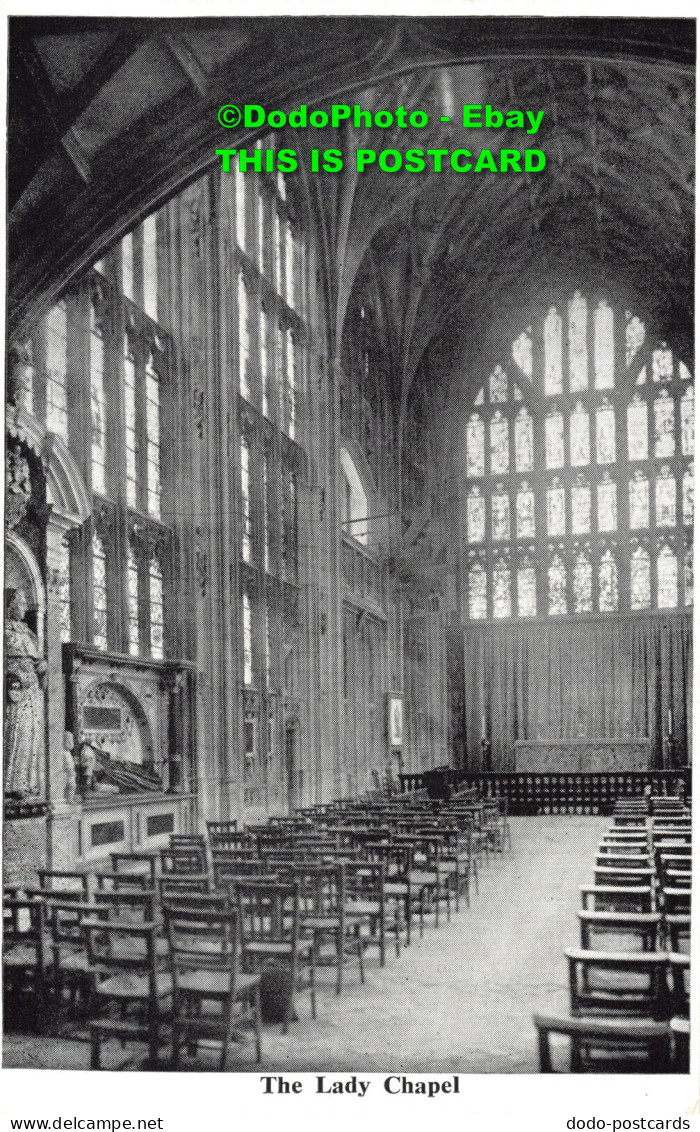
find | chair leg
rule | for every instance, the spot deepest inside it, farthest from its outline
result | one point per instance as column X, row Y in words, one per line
column 257, row 1022
column 94, row 1050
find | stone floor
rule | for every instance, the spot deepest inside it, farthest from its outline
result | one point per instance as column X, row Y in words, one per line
column 458, row 1001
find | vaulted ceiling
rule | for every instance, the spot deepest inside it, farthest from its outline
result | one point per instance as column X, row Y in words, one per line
column 109, row 117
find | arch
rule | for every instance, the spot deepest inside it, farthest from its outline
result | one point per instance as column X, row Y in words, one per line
column 121, row 691
column 64, row 484
column 358, row 487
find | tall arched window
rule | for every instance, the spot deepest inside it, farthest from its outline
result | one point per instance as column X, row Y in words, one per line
column 579, row 473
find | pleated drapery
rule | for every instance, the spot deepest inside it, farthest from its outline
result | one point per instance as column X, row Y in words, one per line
column 603, row 678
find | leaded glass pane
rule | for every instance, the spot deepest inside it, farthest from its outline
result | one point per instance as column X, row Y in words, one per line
column 500, row 514
column 522, row 353
column 580, row 438
column 246, row 522
column 289, row 258
column 583, row 583
column 552, row 353
column 130, row 429
column 556, row 585
column 634, row 336
column 150, row 267
column 63, row 579
column 133, row 601
column 243, row 338
column 99, row 593
column 479, row 399
column 499, row 444
column 580, row 507
column 128, row 266
column 665, row 499
column 637, row 429
column 578, row 351
column 662, row 364
column 605, row 433
column 155, row 609
column 476, row 515
column 639, row 501
column 688, row 422
column 554, row 440
column 607, row 504
column 501, row 590
column 604, row 347
column 688, row 575
column 153, row 442
column 527, row 591
column 640, row 579
column 556, row 512
column 264, row 363
column 683, row 372
column 607, row 583
column 688, row 494
column 240, row 208
column 641, row 376
column 56, row 348
column 477, row 592
column 291, row 384
column 667, row 577
column 664, row 441
column 247, row 641
column 97, row 407
column 523, row 441
column 517, row 392
column 525, row 512
column 498, row 385
column 475, row 446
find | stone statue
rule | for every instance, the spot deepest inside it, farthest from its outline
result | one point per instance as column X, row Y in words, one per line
column 88, row 762
column 69, row 768
column 24, row 729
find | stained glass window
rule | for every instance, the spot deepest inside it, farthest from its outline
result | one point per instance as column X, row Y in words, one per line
column 556, row 579
column 527, row 589
column 130, row 426
column 556, row 511
column 264, row 363
column 583, row 582
column 267, row 524
column 500, row 514
column 580, row 438
column 476, row 515
column 667, row 578
column 662, row 364
column 155, row 593
column 153, row 440
column 501, row 589
column 552, row 353
column 578, row 352
column 525, row 512
column 639, row 501
column 637, row 429
column 243, row 338
column 634, row 336
column 575, row 427
column 664, row 440
column 580, row 507
column 607, row 583
column 688, row 422
column 477, row 591
column 499, row 444
column 246, row 521
column 640, row 579
column 278, row 280
column 498, row 385
column 605, row 433
column 97, row 406
column 247, row 641
column 64, row 586
column 688, row 574
column 99, row 592
column 604, row 346
column 523, row 441
column 522, row 352
column 607, row 504
column 290, row 248
column 688, row 493
column 132, row 574
column 665, row 498
column 150, row 267
column 554, row 440
column 56, row 347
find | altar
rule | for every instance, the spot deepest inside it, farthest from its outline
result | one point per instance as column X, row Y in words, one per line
column 581, row 756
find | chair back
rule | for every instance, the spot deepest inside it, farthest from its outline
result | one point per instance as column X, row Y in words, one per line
column 183, row 860
column 202, row 939
column 268, row 910
column 60, row 881
column 122, row 947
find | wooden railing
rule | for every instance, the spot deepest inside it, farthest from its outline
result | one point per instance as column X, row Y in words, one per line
column 562, row 793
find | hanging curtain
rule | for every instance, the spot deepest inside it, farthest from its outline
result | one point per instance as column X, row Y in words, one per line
column 605, row 678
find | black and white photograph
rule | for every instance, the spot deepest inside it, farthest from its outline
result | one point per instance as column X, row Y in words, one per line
column 348, row 567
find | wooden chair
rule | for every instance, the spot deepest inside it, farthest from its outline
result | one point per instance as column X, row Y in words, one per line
column 184, row 860
column 176, row 884
column 644, row 926
column 136, row 863
column 70, row 964
column 122, row 882
column 616, row 898
column 679, row 967
column 212, row 999
column 680, row 1034
column 24, row 959
column 325, row 919
column 269, row 919
column 677, row 929
column 675, row 901
column 606, row 1045
column 613, row 982
column 624, row 876
column 129, row 988
column 366, row 898
column 60, row 883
